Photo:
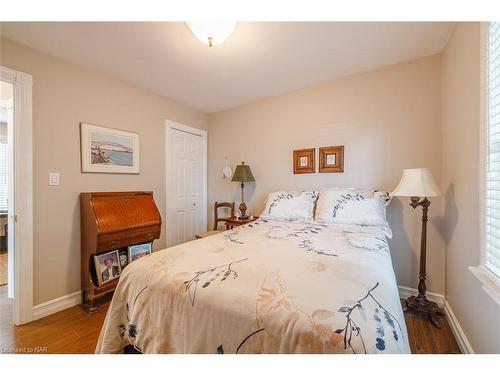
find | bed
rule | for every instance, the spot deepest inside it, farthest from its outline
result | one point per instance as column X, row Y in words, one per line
column 270, row 286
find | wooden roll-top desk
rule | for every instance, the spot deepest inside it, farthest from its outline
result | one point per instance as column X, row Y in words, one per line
column 111, row 221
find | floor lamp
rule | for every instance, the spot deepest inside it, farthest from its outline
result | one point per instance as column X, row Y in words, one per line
column 418, row 184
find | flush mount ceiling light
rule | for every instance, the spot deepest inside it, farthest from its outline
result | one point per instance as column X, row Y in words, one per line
column 212, row 33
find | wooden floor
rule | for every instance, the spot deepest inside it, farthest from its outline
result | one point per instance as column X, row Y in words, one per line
column 68, row 331
column 426, row 339
column 74, row 331
column 3, row 268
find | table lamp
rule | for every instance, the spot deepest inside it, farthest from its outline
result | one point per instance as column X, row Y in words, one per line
column 243, row 174
column 418, row 184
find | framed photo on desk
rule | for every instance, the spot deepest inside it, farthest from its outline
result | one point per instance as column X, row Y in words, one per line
column 138, row 251
column 107, row 266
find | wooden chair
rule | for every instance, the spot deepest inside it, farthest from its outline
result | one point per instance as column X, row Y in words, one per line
column 217, row 219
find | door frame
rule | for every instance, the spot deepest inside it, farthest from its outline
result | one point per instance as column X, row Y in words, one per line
column 22, row 208
column 10, row 194
column 169, row 126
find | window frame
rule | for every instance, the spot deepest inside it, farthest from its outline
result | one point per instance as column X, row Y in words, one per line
column 490, row 281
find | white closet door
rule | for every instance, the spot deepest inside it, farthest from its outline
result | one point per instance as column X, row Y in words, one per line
column 186, row 155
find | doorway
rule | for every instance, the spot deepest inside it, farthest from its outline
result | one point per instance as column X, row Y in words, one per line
column 186, row 185
column 16, row 194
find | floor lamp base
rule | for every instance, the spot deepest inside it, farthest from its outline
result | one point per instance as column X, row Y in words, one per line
column 422, row 304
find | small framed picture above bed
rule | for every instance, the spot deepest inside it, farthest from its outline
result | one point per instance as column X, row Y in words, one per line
column 303, row 160
column 138, row 251
column 331, row 159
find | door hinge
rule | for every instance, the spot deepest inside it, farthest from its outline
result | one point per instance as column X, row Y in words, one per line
column 14, row 217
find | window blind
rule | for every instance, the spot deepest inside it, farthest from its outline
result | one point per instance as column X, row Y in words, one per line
column 492, row 183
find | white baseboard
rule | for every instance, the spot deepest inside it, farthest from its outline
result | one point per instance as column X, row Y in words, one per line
column 462, row 341
column 56, row 305
column 405, row 292
column 457, row 330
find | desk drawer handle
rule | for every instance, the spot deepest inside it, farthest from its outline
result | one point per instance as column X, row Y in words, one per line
column 112, row 243
column 149, row 235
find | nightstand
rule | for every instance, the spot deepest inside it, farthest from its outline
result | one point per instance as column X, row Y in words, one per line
column 235, row 222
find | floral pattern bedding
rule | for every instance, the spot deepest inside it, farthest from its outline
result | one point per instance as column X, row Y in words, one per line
column 266, row 287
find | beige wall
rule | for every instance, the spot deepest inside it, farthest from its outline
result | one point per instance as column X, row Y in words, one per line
column 63, row 96
column 477, row 313
column 388, row 119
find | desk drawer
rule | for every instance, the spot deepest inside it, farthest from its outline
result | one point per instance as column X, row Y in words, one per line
column 116, row 240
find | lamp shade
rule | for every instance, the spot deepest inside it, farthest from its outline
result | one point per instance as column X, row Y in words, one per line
column 243, row 173
column 417, row 182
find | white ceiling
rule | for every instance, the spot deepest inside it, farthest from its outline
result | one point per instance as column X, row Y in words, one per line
column 259, row 60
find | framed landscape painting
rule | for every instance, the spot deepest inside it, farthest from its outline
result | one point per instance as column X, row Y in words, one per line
column 106, row 150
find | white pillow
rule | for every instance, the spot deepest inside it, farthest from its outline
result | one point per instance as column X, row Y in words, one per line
column 290, row 206
column 352, row 206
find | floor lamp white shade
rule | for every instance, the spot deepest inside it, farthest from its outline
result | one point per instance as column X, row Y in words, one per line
column 417, row 182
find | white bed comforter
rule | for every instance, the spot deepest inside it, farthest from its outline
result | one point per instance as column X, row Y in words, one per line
column 266, row 287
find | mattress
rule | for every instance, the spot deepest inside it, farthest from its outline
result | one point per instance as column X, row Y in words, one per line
column 265, row 287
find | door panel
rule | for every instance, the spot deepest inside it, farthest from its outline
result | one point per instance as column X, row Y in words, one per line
column 193, row 223
column 186, row 158
column 180, row 183
column 180, row 227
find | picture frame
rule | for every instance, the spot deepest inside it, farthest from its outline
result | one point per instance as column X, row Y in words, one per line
column 106, row 150
column 304, row 161
column 107, row 266
column 138, row 251
column 123, row 257
column 331, row 159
